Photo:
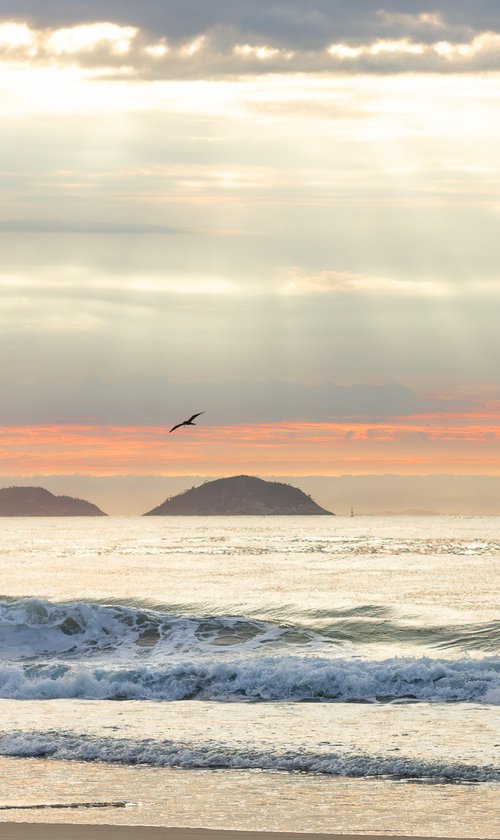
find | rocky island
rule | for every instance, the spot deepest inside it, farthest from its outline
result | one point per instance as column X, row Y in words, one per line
column 242, row 495
column 36, row 501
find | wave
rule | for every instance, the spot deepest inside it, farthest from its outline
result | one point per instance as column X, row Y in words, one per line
column 31, row 627
column 34, row 628
column 70, row 746
column 261, row 678
column 248, row 542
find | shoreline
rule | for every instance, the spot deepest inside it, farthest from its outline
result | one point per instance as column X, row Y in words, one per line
column 90, row 831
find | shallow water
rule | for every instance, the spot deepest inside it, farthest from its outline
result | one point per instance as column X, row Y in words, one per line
column 348, row 667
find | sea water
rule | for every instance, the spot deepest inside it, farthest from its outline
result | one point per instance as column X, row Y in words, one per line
column 291, row 673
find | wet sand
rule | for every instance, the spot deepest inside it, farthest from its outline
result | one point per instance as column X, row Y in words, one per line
column 41, row 831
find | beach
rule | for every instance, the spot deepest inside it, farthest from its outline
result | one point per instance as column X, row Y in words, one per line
column 21, row 831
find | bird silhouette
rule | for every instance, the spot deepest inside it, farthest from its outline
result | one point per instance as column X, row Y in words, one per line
column 187, row 422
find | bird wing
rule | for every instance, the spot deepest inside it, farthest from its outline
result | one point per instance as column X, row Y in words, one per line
column 176, row 427
column 194, row 415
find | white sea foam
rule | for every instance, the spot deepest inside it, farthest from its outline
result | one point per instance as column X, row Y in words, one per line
column 96, row 651
column 70, row 746
column 261, row 678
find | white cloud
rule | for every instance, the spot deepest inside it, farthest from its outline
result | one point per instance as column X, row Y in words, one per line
column 342, row 51
column 403, row 46
column 482, row 46
column 193, row 47
column 157, row 50
column 88, row 37
column 344, row 282
column 263, row 53
column 481, row 53
column 19, row 40
column 17, row 36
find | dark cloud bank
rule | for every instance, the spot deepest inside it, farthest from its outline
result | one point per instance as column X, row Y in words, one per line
column 292, row 24
column 232, row 39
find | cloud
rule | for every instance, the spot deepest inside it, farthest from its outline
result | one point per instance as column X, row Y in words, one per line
column 314, row 448
column 86, row 38
column 18, row 38
column 398, row 42
column 150, row 400
column 405, row 21
column 90, row 228
column 344, row 282
column 291, row 23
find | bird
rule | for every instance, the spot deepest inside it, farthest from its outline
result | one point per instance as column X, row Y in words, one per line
column 187, row 422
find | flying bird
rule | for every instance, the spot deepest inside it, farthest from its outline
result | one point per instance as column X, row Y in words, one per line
column 187, row 422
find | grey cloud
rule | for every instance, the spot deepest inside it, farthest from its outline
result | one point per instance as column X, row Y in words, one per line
column 154, row 400
column 208, row 58
column 400, row 55
column 331, row 244
column 290, row 23
column 241, row 38
column 442, row 343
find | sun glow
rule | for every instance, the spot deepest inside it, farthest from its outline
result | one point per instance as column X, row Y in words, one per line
column 87, row 37
column 262, row 53
column 14, row 36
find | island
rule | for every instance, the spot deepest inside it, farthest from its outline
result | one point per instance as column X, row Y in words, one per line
column 36, row 501
column 241, row 495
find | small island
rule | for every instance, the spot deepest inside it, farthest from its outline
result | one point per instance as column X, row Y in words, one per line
column 242, row 495
column 36, row 501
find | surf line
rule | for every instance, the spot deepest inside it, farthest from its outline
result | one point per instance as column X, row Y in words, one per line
column 66, row 805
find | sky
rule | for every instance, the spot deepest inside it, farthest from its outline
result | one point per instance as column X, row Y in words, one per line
column 283, row 214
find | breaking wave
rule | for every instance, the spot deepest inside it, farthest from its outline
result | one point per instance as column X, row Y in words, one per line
column 261, row 678
column 32, row 628
column 96, row 651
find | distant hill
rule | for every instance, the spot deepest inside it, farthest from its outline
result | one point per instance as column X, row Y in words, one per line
column 242, row 495
column 35, row 501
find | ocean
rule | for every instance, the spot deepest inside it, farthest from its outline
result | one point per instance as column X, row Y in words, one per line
column 324, row 674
